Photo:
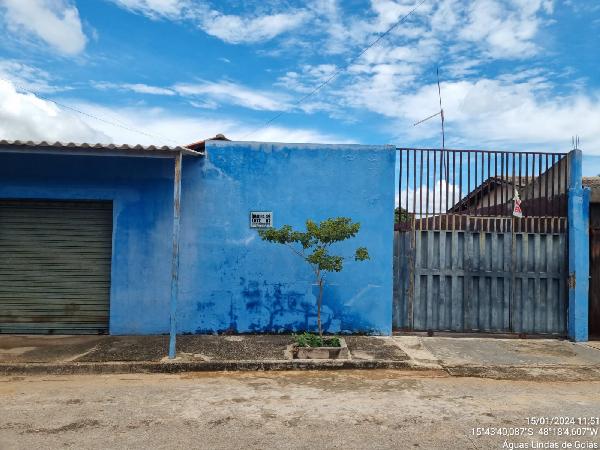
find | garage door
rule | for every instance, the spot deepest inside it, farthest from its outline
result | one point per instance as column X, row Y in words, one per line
column 55, row 266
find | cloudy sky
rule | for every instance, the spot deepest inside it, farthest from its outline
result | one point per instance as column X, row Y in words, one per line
column 516, row 74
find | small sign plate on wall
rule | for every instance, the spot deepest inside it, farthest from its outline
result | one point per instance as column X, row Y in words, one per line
column 261, row 219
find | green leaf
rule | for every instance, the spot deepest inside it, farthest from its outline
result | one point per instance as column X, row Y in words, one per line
column 317, row 240
column 361, row 254
column 324, row 261
column 314, row 340
column 402, row 215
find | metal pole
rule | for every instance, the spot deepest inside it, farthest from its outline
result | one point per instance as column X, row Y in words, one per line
column 175, row 260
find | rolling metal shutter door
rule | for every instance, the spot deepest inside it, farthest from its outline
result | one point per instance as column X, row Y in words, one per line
column 55, row 266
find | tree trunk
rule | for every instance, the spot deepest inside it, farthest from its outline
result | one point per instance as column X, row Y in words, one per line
column 319, row 302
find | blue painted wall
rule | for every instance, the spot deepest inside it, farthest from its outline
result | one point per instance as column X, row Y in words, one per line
column 232, row 281
column 141, row 191
column 229, row 280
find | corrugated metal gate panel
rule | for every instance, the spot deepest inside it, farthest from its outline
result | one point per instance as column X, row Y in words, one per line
column 402, row 263
column 55, row 262
column 463, row 281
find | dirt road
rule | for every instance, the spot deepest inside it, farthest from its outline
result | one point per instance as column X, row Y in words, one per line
column 367, row 409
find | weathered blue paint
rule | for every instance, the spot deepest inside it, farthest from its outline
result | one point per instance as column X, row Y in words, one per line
column 141, row 190
column 229, row 280
column 175, row 256
column 579, row 270
column 232, row 281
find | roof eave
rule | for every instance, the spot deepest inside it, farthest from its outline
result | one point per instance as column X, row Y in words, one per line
column 94, row 149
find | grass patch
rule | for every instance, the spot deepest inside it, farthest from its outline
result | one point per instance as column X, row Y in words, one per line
column 314, row 340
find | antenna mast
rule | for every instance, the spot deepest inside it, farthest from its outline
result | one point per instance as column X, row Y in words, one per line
column 439, row 113
column 437, row 71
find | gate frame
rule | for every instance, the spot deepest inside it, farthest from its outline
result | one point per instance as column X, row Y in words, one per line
column 577, row 215
column 579, row 250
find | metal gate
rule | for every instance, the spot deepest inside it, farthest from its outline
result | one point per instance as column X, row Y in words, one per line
column 463, row 260
column 55, row 261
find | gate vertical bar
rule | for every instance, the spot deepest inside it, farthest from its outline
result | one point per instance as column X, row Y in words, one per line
column 434, row 185
column 413, row 239
column 489, row 186
column 553, row 212
column 511, row 301
column 427, row 194
column 421, row 194
column 441, row 187
column 460, row 182
column 468, row 185
column 561, row 161
column 400, row 154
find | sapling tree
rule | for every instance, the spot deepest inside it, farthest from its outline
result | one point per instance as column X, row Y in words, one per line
column 314, row 247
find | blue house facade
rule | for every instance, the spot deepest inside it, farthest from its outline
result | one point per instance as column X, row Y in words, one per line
column 224, row 278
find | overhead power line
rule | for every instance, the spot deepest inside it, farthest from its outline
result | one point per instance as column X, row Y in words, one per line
column 340, row 70
column 92, row 116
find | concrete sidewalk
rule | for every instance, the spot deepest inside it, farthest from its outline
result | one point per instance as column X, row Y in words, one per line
column 29, row 354
column 505, row 358
column 546, row 359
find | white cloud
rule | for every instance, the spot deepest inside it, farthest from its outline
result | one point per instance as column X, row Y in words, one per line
column 519, row 109
column 454, row 31
column 155, row 8
column 512, row 114
column 207, row 94
column 379, row 88
column 500, row 28
column 462, row 67
column 389, row 11
column 204, row 104
column 139, row 88
column 169, row 128
column 239, row 29
column 328, row 18
column 230, row 28
column 27, row 77
column 420, row 200
column 233, row 93
column 393, row 79
column 26, row 117
column 307, row 78
column 505, row 29
column 56, row 22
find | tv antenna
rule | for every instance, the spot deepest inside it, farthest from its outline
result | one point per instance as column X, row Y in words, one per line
column 439, row 113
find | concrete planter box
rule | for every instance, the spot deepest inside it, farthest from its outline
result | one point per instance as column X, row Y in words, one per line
column 340, row 352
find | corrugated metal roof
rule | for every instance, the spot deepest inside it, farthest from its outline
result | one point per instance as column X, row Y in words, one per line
column 591, row 182
column 32, row 146
column 200, row 145
column 489, row 184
